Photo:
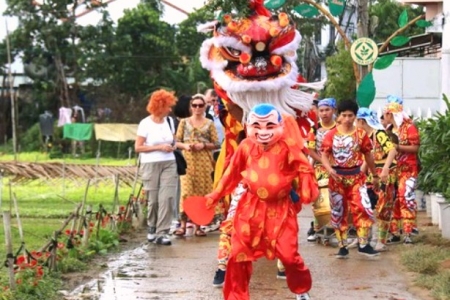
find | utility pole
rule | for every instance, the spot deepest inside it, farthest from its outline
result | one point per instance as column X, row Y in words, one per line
column 11, row 94
column 445, row 58
column 363, row 28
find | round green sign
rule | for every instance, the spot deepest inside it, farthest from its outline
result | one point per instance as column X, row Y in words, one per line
column 364, row 51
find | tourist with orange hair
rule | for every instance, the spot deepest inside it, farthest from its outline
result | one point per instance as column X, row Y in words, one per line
column 155, row 143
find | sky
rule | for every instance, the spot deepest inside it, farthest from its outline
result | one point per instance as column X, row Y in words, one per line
column 115, row 9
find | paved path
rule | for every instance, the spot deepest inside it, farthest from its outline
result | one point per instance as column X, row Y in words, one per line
column 185, row 271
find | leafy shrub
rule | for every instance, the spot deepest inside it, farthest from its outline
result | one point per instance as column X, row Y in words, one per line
column 434, row 152
column 71, row 264
column 31, row 140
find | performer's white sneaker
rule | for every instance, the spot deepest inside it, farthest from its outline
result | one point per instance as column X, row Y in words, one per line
column 304, row 296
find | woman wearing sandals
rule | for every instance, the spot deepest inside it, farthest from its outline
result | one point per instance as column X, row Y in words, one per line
column 197, row 137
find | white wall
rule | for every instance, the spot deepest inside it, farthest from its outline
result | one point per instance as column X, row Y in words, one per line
column 416, row 80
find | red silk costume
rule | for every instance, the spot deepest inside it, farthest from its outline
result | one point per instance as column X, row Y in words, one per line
column 227, row 225
column 314, row 142
column 405, row 208
column 385, row 205
column 266, row 219
column 345, row 153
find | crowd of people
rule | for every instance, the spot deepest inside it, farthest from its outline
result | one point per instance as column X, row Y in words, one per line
column 365, row 165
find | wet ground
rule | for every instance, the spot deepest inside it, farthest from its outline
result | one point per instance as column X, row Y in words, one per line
column 185, row 271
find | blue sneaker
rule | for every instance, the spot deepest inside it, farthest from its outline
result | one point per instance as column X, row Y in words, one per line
column 368, row 251
column 219, row 278
column 342, row 253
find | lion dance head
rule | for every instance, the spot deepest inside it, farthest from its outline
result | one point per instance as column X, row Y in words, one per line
column 252, row 60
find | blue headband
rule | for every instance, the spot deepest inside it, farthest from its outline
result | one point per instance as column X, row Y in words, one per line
column 370, row 116
column 394, row 99
column 331, row 102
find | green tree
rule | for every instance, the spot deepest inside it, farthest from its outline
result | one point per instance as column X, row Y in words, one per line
column 3, row 57
column 188, row 42
column 4, row 97
column 142, row 50
column 341, row 82
column 188, row 39
column 97, row 57
column 48, row 38
column 384, row 19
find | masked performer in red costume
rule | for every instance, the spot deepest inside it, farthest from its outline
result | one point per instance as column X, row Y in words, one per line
column 252, row 59
column 405, row 208
column 384, row 156
column 344, row 149
column 269, row 165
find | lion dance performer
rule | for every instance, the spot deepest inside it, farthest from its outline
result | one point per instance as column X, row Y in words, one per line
column 265, row 223
column 252, row 60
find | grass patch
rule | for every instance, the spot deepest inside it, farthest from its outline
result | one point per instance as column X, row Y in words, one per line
column 424, row 259
column 42, row 210
column 441, row 288
column 38, row 199
column 426, row 281
column 434, row 239
column 429, row 258
column 42, row 157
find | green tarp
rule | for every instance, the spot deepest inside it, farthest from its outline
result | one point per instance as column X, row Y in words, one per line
column 78, row 131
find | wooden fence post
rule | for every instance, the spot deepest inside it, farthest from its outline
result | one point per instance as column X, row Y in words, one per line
column 9, row 249
column 83, row 216
column 77, row 216
column 19, row 224
column 100, row 219
column 64, row 178
column 87, row 220
column 1, row 187
column 116, row 193
column 53, row 253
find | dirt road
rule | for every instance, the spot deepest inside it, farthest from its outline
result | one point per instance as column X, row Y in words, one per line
column 185, row 271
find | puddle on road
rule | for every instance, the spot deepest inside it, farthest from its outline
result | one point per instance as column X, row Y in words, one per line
column 129, row 268
column 154, row 272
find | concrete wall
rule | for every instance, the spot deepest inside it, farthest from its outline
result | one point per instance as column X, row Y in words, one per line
column 416, row 80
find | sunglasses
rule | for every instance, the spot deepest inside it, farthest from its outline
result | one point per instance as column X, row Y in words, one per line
column 198, row 105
